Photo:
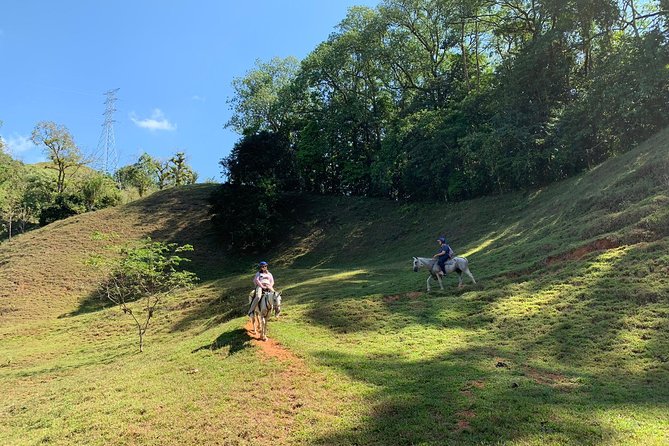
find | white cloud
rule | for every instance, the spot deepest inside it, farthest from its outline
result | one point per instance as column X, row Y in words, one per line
column 22, row 148
column 157, row 121
column 198, row 98
column 17, row 144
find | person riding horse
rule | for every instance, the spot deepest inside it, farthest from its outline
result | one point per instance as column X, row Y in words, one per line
column 444, row 255
column 263, row 281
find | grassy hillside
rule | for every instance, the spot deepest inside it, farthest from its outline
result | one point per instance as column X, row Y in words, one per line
column 564, row 340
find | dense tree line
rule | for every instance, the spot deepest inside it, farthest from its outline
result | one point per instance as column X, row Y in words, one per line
column 453, row 99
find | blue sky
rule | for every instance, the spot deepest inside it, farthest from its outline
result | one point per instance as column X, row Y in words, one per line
column 173, row 62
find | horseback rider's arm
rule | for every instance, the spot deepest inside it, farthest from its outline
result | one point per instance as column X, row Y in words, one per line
column 256, row 280
column 439, row 254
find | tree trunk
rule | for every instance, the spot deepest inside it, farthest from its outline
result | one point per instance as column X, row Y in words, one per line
column 141, row 340
column 476, row 51
column 463, row 48
column 60, row 184
column 9, row 226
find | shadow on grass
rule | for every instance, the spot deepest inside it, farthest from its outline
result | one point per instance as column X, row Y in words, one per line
column 236, row 340
column 580, row 346
column 207, row 311
column 462, row 398
column 89, row 304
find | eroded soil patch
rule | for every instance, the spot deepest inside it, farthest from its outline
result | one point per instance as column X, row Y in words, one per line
column 580, row 252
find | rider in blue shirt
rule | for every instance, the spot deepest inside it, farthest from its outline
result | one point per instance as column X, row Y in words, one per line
column 444, row 254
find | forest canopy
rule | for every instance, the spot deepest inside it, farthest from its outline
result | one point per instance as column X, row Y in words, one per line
column 454, row 99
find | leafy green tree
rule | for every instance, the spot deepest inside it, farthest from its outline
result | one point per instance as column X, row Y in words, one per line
column 12, row 207
column 163, row 174
column 142, row 277
column 626, row 102
column 261, row 157
column 99, row 191
column 142, row 175
column 180, row 172
column 40, row 193
column 59, row 148
column 256, row 104
column 345, row 106
column 452, row 99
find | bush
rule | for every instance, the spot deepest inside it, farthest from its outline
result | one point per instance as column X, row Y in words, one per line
column 64, row 206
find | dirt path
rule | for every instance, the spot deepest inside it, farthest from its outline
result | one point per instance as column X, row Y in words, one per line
column 286, row 401
column 271, row 348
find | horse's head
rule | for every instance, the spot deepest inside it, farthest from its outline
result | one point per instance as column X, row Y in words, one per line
column 277, row 303
column 416, row 264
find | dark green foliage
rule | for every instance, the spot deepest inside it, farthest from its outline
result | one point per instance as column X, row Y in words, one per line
column 626, row 102
column 261, row 158
column 451, row 100
column 246, row 215
column 63, row 206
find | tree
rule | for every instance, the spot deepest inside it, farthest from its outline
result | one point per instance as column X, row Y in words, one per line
column 12, row 206
column 256, row 104
column 142, row 277
column 261, row 157
column 60, row 148
column 180, row 172
column 63, row 206
column 2, row 143
column 163, row 174
column 40, row 193
column 142, row 175
column 344, row 106
column 99, row 191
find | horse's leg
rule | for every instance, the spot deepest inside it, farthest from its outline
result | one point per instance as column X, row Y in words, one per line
column 264, row 328
column 471, row 276
column 441, row 283
column 428, row 282
column 460, row 279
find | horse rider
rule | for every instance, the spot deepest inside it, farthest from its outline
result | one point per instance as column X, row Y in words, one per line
column 444, row 255
column 263, row 281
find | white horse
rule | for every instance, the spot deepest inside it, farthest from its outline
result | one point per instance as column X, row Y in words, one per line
column 458, row 264
column 269, row 301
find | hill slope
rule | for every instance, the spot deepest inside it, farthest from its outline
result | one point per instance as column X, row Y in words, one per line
column 563, row 341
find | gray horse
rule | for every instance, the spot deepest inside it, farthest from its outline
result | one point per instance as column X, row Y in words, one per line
column 270, row 300
column 458, row 264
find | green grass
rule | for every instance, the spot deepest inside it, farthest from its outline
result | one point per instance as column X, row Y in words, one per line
column 565, row 340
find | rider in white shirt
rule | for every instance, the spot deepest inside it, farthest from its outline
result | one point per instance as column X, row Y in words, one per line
column 263, row 281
